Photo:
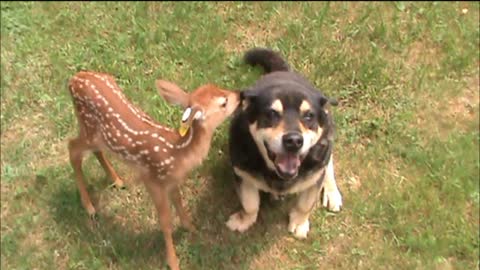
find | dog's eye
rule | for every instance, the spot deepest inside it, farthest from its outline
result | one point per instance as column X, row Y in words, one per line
column 272, row 114
column 308, row 116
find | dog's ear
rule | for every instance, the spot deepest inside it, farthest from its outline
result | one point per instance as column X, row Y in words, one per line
column 333, row 101
column 247, row 97
column 324, row 101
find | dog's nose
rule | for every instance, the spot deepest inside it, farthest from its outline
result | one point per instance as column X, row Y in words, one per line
column 292, row 141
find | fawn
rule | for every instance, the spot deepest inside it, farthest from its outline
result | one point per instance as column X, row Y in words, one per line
column 162, row 156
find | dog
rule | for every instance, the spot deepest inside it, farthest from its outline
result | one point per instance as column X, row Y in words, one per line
column 280, row 143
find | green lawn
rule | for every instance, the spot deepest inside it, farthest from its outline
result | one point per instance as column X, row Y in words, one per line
column 407, row 146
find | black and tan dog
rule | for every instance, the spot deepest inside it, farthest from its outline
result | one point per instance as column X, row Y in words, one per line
column 281, row 142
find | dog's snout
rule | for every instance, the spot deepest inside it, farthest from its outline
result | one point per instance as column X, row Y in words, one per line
column 292, row 141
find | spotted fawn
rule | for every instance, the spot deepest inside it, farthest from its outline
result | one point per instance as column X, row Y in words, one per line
column 162, row 156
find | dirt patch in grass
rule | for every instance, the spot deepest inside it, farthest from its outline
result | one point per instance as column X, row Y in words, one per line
column 36, row 130
column 421, row 52
column 442, row 115
column 272, row 257
column 248, row 32
column 26, row 125
column 248, row 36
column 466, row 104
column 464, row 107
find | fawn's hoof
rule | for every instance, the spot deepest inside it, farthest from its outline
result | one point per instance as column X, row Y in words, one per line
column 94, row 220
column 190, row 227
column 173, row 263
column 119, row 184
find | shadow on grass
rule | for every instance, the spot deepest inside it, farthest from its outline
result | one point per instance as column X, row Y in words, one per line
column 110, row 240
column 133, row 244
column 224, row 249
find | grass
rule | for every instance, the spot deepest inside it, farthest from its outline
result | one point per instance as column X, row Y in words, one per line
column 407, row 161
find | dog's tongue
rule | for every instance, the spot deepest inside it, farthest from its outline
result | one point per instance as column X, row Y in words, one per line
column 288, row 163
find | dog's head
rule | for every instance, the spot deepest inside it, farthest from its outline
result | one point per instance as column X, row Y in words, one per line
column 286, row 119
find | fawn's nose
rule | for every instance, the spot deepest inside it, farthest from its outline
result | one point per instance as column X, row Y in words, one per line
column 292, row 141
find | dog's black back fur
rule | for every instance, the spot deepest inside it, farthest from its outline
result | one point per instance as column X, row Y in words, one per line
column 278, row 78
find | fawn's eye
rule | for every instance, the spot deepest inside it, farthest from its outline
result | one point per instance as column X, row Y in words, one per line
column 224, row 102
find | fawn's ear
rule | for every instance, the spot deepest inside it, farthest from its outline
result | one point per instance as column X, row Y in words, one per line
column 172, row 93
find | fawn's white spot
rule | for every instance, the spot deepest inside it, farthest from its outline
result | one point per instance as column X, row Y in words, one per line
column 169, row 160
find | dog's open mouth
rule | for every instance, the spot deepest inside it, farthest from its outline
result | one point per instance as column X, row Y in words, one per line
column 286, row 163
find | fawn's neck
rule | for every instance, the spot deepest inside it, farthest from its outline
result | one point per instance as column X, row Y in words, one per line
column 194, row 146
column 180, row 154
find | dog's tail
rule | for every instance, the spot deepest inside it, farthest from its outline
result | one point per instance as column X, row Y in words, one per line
column 269, row 60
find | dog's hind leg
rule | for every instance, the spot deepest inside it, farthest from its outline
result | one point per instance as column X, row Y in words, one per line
column 250, row 199
column 331, row 199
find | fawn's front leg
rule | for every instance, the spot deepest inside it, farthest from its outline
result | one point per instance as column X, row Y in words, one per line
column 159, row 196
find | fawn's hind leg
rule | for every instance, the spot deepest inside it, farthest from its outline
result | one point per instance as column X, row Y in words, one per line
column 77, row 148
column 185, row 218
column 117, row 181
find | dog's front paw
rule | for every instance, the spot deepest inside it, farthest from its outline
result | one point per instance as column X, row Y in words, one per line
column 332, row 200
column 299, row 230
column 241, row 221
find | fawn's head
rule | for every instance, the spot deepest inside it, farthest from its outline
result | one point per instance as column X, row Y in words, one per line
column 209, row 105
